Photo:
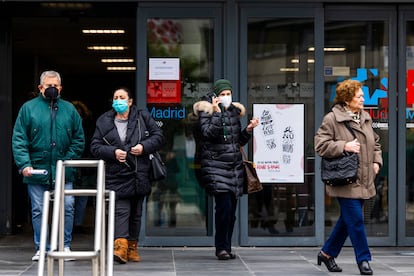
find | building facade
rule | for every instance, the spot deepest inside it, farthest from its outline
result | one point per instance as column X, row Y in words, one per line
column 284, row 59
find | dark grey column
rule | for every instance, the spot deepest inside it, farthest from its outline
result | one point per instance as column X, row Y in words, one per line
column 6, row 128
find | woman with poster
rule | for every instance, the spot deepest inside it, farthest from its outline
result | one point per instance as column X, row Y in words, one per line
column 222, row 173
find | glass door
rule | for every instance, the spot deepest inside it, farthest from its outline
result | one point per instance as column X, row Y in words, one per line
column 177, row 58
column 278, row 50
column 406, row 130
column 364, row 50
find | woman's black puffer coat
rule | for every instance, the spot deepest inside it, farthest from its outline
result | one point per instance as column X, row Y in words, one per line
column 218, row 148
column 129, row 179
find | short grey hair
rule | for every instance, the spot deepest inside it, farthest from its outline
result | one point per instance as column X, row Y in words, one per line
column 50, row 74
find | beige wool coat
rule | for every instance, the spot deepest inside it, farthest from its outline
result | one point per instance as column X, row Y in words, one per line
column 330, row 141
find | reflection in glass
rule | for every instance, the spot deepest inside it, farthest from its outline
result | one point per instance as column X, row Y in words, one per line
column 178, row 205
column 364, row 57
column 281, row 70
column 410, row 131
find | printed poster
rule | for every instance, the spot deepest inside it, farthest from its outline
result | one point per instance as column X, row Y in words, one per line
column 278, row 142
column 164, row 84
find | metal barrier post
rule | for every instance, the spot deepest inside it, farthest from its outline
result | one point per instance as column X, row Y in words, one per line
column 97, row 256
column 43, row 234
column 111, row 226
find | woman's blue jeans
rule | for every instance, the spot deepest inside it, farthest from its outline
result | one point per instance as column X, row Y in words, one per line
column 36, row 192
column 350, row 223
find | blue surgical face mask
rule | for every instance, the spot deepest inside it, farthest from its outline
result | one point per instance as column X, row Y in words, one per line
column 120, row 106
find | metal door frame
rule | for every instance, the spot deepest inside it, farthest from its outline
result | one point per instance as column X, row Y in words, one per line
column 179, row 11
column 405, row 13
column 388, row 14
column 296, row 11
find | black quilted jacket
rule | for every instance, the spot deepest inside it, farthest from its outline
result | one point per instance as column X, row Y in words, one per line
column 132, row 179
column 218, row 147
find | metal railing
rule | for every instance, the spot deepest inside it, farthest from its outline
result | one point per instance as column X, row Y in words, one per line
column 97, row 255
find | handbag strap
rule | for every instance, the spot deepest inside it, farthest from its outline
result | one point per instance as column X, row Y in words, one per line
column 350, row 129
column 243, row 153
column 139, row 127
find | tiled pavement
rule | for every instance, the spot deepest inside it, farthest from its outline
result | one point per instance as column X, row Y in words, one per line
column 16, row 253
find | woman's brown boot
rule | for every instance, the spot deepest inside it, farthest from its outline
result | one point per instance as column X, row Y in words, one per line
column 120, row 250
column 133, row 254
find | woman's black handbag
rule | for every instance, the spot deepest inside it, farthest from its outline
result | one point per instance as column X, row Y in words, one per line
column 341, row 170
column 158, row 169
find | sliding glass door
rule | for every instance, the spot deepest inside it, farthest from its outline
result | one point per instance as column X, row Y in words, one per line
column 365, row 50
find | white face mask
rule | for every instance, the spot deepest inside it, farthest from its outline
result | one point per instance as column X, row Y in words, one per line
column 226, row 101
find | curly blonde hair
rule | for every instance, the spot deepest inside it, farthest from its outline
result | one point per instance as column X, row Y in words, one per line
column 346, row 90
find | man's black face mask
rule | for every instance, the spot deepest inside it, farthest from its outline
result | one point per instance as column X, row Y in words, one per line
column 51, row 93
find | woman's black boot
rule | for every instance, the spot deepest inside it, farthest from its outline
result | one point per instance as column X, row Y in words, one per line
column 329, row 262
column 365, row 268
column 223, row 255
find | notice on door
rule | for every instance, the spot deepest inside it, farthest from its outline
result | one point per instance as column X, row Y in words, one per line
column 278, row 143
column 164, row 69
column 164, row 82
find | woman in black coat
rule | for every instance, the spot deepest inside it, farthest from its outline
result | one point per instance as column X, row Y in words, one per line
column 218, row 151
column 124, row 137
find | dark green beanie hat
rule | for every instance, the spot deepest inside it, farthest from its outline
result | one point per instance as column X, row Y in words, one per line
column 221, row 85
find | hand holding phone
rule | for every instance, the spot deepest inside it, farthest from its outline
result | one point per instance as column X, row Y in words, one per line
column 215, row 101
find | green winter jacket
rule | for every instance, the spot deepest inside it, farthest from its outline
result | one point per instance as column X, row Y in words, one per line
column 38, row 143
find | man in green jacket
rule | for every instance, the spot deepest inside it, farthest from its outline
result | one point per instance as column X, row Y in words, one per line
column 47, row 129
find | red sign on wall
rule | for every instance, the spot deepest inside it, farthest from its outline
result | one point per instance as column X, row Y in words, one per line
column 410, row 88
column 164, row 91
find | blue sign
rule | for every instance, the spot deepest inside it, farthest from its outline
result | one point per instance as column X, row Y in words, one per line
column 170, row 112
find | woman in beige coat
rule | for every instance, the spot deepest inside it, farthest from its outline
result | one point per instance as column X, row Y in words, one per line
column 331, row 140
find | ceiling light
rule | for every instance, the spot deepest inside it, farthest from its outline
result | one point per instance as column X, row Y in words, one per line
column 295, row 60
column 67, row 5
column 334, row 49
column 116, row 60
column 121, row 68
column 329, row 49
column 103, row 31
column 107, row 48
column 289, row 69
